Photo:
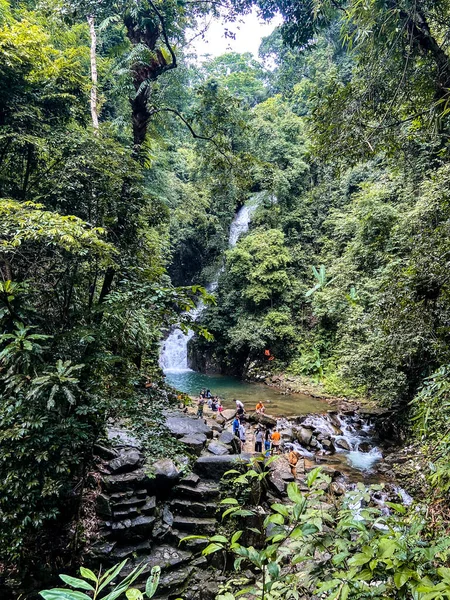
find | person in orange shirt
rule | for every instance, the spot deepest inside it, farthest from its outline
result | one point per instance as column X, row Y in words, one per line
column 276, row 439
column 260, row 408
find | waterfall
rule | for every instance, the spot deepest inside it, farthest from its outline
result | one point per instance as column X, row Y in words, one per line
column 174, row 351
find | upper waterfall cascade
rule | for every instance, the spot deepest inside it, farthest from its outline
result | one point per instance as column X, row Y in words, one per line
column 174, row 351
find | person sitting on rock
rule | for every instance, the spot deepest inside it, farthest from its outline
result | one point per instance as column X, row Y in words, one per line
column 214, row 405
column 260, row 408
column 293, row 457
column 276, row 440
column 219, row 405
column 258, row 440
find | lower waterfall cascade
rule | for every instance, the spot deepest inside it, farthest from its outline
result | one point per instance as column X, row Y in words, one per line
column 174, row 350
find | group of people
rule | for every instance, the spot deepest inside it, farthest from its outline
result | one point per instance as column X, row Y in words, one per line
column 213, row 402
column 267, row 441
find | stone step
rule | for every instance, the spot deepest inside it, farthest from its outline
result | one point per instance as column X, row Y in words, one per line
column 165, row 556
column 126, row 503
column 195, row 525
column 131, row 511
column 193, row 509
column 140, row 527
column 202, row 492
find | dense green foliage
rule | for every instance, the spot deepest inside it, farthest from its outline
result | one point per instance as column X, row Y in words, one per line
column 115, row 191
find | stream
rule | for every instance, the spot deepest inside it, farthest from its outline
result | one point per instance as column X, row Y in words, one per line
column 341, row 441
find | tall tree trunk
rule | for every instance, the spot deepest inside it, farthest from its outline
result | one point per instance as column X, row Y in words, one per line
column 94, row 112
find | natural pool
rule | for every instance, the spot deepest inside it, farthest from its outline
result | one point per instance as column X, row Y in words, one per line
column 230, row 388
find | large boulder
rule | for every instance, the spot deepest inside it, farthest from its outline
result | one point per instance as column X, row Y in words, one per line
column 342, row 443
column 194, row 443
column 217, row 448
column 228, row 438
column 166, row 473
column 180, row 425
column 229, row 414
column 262, row 419
column 304, row 436
column 127, row 461
column 214, row 467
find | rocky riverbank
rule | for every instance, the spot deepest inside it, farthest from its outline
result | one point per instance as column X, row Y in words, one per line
column 144, row 511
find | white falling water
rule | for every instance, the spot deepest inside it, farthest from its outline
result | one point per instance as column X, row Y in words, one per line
column 174, row 351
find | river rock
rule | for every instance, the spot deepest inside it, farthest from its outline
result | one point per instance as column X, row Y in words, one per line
column 262, row 419
column 364, row 447
column 328, row 445
column 127, row 461
column 342, row 443
column 217, row 448
column 304, row 436
column 194, row 442
column 214, row 467
column 180, row 425
column 287, row 434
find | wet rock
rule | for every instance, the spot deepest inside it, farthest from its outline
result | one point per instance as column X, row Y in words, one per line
column 328, row 445
column 364, row 447
column 194, row 442
column 102, row 550
column 127, row 461
column 313, row 443
column 287, row 434
column 342, row 443
column 125, row 502
column 149, row 506
column 180, row 424
column 165, row 472
column 214, row 467
column 304, row 436
column 218, row 448
column 123, row 438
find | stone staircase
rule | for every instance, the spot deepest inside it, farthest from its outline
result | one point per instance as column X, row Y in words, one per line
column 145, row 519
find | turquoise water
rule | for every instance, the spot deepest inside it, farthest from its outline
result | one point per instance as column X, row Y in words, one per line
column 230, row 388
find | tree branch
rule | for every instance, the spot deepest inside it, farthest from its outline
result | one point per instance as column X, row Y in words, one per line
column 194, row 134
column 173, row 64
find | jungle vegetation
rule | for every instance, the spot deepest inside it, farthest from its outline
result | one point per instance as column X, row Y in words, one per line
column 123, row 159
